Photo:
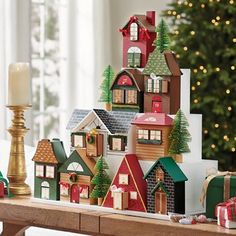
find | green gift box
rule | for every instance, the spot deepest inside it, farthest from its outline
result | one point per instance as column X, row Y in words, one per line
column 215, row 193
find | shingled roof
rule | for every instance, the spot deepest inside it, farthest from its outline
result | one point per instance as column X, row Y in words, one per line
column 162, row 64
column 114, row 121
column 50, row 152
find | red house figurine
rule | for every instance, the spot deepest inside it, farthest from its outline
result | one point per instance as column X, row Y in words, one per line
column 138, row 36
column 128, row 188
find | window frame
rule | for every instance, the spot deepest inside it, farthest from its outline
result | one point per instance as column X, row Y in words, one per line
column 134, row 31
column 36, row 170
column 49, row 174
column 147, row 139
column 123, row 179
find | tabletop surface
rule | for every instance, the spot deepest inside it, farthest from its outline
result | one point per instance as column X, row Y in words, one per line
column 22, row 210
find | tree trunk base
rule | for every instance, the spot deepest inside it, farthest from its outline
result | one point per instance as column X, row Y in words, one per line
column 100, row 200
column 178, row 158
column 108, row 106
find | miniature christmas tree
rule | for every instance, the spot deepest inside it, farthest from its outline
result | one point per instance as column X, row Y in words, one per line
column 106, row 95
column 179, row 136
column 162, row 41
column 101, row 180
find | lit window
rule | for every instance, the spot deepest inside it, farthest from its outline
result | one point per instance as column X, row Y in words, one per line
column 156, row 86
column 155, row 135
column 123, row 179
column 159, row 175
column 39, row 170
column 50, row 171
column 116, row 144
column 133, row 32
column 131, row 97
column 84, row 191
column 133, row 195
column 75, row 166
column 149, row 85
column 64, row 190
column 118, row 96
column 45, row 190
column 78, row 140
column 143, row 134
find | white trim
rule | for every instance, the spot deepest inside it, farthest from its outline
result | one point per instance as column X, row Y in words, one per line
column 134, row 50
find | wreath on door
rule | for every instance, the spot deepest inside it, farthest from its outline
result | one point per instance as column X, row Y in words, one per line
column 90, row 139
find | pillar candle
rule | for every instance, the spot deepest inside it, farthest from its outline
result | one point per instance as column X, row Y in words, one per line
column 19, row 84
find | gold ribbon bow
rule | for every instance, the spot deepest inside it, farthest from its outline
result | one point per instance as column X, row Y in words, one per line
column 227, row 175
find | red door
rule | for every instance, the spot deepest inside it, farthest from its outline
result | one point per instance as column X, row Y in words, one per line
column 156, row 106
column 1, row 189
column 74, row 194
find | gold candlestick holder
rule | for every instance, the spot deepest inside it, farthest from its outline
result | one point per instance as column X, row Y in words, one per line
column 16, row 167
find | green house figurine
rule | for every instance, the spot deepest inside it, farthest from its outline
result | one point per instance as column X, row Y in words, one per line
column 49, row 156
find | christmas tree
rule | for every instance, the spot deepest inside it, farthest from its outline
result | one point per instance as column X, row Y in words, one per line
column 106, row 95
column 101, row 180
column 162, row 41
column 179, row 136
column 204, row 40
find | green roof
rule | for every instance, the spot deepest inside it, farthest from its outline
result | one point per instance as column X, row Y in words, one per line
column 158, row 185
column 156, row 64
column 171, row 168
column 76, row 158
column 59, row 150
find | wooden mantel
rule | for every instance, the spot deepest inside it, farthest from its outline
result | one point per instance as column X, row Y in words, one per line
column 20, row 213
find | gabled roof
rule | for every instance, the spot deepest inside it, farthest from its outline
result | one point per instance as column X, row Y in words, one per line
column 115, row 122
column 76, row 117
column 50, row 152
column 170, row 167
column 162, row 64
column 152, row 119
column 158, row 185
column 79, row 156
column 142, row 21
column 134, row 74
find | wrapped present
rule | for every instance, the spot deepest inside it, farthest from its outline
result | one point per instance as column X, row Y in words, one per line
column 226, row 213
column 218, row 188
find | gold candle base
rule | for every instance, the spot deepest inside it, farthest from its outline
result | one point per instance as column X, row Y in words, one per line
column 16, row 167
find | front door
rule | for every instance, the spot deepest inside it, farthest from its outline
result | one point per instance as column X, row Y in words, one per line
column 74, row 194
column 1, row 189
column 161, row 202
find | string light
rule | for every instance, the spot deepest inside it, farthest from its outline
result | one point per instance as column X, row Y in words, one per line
column 231, row 2
column 186, row 3
column 218, row 18
column 194, row 70
column 201, row 67
column 179, row 2
column 169, row 12
column 232, row 67
column 195, row 101
column 185, row 48
column 234, row 138
column 192, row 32
column 234, row 40
column 193, row 88
column 202, row 5
column 198, row 83
column 210, row 0
column 233, row 149
column 176, row 32
column 213, row 21
column 217, row 23
column 227, row 91
column 178, row 16
column 174, row 13
column 217, row 125
column 197, row 52
column 226, row 138
column 177, row 56
column 229, row 108
column 204, row 71
column 217, row 69
column 213, row 146
column 205, row 131
column 190, row 4
column 227, row 22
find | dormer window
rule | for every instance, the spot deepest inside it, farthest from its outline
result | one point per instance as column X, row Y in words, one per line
column 133, row 32
column 159, row 175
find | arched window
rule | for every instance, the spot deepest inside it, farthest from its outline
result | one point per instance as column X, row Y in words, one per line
column 45, row 187
column 133, row 32
column 134, row 57
column 75, row 166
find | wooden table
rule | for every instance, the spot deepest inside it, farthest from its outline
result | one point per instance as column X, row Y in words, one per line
column 20, row 213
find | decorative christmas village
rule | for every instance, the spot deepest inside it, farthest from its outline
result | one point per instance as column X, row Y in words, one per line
column 137, row 154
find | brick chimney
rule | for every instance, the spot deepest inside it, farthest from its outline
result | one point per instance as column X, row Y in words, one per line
column 150, row 16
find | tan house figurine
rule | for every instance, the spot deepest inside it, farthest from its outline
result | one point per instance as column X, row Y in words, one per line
column 152, row 132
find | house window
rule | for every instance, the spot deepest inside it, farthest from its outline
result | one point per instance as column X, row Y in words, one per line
column 118, row 96
column 75, row 166
column 39, row 171
column 123, row 179
column 134, row 57
column 45, row 190
column 157, row 85
column 84, row 191
column 64, row 189
column 133, row 32
column 159, row 175
column 143, row 134
column 131, row 97
column 116, row 144
column 133, row 195
column 155, row 135
column 78, row 140
column 50, row 172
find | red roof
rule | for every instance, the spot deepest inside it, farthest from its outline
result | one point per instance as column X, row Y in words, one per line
column 152, row 119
